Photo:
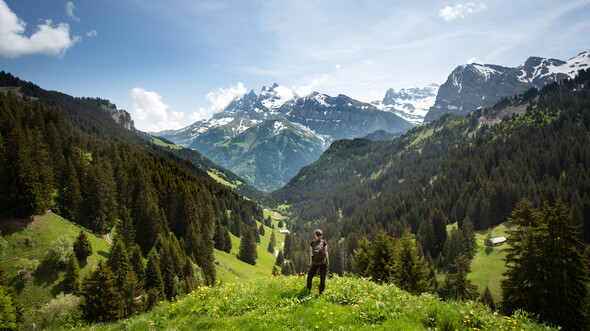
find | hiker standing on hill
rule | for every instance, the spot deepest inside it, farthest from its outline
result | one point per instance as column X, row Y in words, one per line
column 319, row 259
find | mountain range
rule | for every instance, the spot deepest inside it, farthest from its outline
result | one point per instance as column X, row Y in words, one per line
column 474, row 85
column 410, row 103
column 266, row 138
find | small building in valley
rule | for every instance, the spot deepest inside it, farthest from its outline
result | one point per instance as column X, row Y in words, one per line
column 498, row 241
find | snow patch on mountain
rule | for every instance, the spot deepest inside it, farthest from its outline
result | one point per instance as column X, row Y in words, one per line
column 410, row 103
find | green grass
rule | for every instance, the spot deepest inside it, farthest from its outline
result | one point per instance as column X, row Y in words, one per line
column 231, row 269
column 282, row 303
column 215, row 175
column 31, row 239
column 159, row 142
column 488, row 265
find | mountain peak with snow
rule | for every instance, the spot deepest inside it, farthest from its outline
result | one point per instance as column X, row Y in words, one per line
column 475, row 85
column 410, row 103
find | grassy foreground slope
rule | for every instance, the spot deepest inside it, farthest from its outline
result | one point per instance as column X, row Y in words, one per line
column 281, row 303
column 30, row 240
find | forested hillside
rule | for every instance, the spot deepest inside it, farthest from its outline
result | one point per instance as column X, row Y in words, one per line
column 479, row 166
column 68, row 155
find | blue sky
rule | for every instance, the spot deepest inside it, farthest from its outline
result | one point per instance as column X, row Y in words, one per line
column 170, row 63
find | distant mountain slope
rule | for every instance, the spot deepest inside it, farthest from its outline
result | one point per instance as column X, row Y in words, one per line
column 474, row 85
column 476, row 166
column 267, row 138
column 411, row 103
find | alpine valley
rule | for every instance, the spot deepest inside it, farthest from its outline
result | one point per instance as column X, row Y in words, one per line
column 267, row 138
column 106, row 227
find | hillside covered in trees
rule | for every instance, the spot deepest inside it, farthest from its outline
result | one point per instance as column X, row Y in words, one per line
column 70, row 156
column 476, row 171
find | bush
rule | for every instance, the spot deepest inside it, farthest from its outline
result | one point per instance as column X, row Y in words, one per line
column 59, row 253
column 24, row 268
column 61, row 310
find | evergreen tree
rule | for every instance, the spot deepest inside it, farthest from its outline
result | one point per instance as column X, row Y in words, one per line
column 72, row 278
column 118, row 261
column 411, row 271
column 153, row 277
column 146, row 212
column 487, row 299
column 470, row 243
column 439, row 225
column 125, row 229
column 190, row 278
column 69, row 198
column 281, row 224
column 381, row 258
column 192, row 242
column 82, row 247
column 248, row 251
column 288, row 268
column 167, row 270
column 131, row 292
column 454, row 245
column 336, row 259
column 227, row 238
column 136, row 263
column 280, row 258
column 8, row 319
column 102, row 297
column 218, row 237
column 426, row 237
column 261, row 230
column 459, row 286
column 546, row 272
column 272, row 243
column 362, row 257
column 100, row 204
column 206, row 255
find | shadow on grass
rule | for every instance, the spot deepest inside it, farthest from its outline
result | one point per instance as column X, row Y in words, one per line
column 45, row 275
column 103, row 254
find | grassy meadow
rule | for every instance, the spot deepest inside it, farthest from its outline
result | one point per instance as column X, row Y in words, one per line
column 28, row 241
column 282, row 303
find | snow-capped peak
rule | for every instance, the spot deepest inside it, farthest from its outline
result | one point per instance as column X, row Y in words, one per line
column 536, row 70
column 411, row 103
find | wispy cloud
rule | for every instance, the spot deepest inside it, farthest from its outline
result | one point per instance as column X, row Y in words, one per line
column 70, row 11
column 151, row 114
column 219, row 99
column 449, row 13
column 91, row 33
column 48, row 39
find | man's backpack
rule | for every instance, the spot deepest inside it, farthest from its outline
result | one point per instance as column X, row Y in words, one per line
column 318, row 254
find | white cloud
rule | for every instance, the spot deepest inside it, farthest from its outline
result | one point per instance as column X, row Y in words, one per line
column 70, row 11
column 284, row 93
column 460, row 10
column 219, row 99
column 151, row 113
column 471, row 60
column 305, row 90
column 91, row 33
column 48, row 40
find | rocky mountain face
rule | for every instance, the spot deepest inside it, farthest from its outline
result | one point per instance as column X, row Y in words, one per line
column 474, row 85
column 267, row 138
column 410, row 103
